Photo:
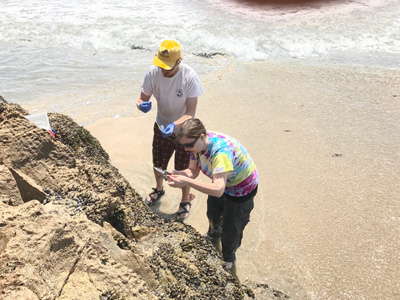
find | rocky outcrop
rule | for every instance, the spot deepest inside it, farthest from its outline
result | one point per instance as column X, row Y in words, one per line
column 71, row 227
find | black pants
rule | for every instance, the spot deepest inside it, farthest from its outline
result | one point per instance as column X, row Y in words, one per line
column 227, row 220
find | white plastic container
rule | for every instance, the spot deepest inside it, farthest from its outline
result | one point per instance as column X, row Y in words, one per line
column 40, row 119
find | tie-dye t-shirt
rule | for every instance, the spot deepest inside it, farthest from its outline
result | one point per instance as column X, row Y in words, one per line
column 226, row 154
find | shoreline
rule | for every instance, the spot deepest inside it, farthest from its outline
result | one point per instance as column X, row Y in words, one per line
column 116, row 98
column 325, row 142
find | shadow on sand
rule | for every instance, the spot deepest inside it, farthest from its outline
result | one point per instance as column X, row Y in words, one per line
column 163, row 215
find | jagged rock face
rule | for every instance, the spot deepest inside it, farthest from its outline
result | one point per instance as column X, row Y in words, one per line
column 77, row 138
column 47, row 254
column 71, row 227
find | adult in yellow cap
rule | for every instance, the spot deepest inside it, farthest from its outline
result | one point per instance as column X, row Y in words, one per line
column 168, row 54
column 176, row 88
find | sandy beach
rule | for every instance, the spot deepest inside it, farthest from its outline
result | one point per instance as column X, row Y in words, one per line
column 327, row 146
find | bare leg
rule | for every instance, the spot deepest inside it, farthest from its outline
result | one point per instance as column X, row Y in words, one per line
column 185, row 194
column 159, row 180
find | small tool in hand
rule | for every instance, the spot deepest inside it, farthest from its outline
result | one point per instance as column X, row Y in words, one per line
column 163, row 173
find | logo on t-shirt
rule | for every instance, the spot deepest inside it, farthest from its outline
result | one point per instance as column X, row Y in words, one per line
column 179, row 92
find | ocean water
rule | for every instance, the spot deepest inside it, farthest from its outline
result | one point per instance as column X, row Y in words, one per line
column 87, row 58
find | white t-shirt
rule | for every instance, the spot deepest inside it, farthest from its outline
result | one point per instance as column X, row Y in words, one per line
column 171, row 93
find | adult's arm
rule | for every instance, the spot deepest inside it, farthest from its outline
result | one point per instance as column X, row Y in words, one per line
column 191, row 105
column 143, row 98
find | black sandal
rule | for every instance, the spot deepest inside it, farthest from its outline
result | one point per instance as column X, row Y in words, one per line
column 185, row 211
column 152, row 198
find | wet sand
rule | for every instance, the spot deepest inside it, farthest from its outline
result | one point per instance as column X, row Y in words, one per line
column 326, row 142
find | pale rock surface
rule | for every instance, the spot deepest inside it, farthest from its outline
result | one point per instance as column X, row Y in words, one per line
column 50, row 254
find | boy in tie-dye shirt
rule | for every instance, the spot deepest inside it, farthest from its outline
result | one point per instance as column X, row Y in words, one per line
column 226, row 154
column 233, row 187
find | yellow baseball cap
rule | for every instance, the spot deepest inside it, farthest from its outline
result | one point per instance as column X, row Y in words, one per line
column 168, row 53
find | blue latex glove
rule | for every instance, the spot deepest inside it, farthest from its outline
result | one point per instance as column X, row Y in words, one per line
column 145, row 106
column 168, row 130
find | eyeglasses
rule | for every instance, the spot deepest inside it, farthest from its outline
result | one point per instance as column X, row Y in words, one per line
column 189, row 145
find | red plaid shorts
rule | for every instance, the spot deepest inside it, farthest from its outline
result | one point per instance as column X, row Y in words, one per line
column 163, row 148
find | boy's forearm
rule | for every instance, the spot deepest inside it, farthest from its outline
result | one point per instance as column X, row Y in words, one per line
column 211, row 188
column 187, row 172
